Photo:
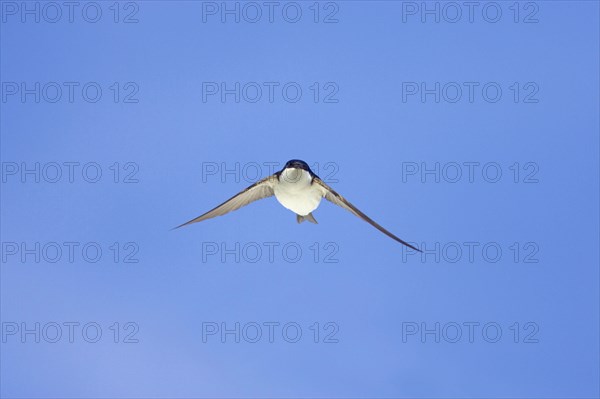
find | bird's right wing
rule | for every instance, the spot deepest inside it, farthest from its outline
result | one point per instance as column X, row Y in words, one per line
column 259, row 190
column 331, row 196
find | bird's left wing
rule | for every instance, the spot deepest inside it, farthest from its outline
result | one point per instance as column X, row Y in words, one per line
column 331, row 196
column 259, row 190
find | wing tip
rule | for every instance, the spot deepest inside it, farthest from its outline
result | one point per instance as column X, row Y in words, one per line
column 183, row 224
column 412, row 247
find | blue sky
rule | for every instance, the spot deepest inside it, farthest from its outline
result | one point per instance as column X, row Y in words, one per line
column 474, row 136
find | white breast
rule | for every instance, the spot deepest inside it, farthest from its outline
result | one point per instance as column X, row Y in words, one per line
column 295, row 192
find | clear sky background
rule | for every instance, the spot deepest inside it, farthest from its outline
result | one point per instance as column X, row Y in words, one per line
column 532, row 308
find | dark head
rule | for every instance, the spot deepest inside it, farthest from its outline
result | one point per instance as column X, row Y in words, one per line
column 297, row 164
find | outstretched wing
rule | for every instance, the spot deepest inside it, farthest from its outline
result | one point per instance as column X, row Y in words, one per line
column 259, row 190
column 331, row 196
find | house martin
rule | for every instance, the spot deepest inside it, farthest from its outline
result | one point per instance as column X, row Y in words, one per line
column 298, row 189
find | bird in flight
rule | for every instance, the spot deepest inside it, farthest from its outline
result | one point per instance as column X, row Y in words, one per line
column 298, row 189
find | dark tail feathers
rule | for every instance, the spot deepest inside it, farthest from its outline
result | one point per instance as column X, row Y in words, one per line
column 308, row 217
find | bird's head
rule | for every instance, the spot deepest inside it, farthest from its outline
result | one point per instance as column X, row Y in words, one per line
column 297, row 164
column 292, row 172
